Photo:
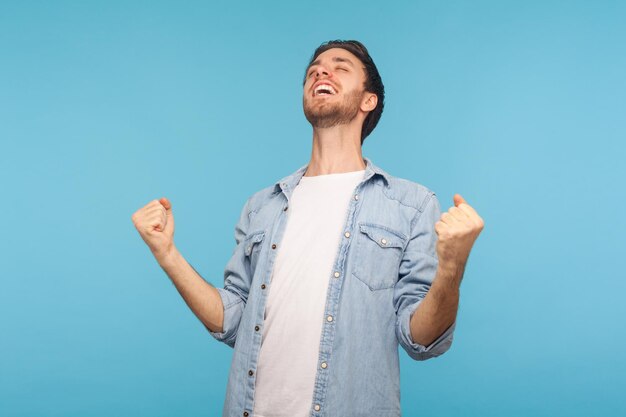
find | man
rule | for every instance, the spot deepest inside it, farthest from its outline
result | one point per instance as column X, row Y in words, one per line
column 335, row 265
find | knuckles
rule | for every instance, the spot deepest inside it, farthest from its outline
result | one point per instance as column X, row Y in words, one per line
column 457, row 232
column 140, row 215
column 147, row 220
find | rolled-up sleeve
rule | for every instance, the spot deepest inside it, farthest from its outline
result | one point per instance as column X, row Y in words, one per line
column 236, row 283
column 417, row 272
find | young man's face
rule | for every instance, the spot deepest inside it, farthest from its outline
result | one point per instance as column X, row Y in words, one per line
column 334, row 90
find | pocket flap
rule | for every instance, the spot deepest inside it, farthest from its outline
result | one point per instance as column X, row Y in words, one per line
column 252, row 239
column 383, row 236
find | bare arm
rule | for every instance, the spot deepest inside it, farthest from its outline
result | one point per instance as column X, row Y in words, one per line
column 457, row 230
column 201, row 297
column 438, row 309
column 155, row 224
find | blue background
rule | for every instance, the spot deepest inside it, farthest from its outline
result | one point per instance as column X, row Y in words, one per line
column 104, row 106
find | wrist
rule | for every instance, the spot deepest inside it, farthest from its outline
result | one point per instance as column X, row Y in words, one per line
column 167, row 257
column 451, row 270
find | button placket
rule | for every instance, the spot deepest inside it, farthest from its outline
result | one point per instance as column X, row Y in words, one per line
column 351, row 219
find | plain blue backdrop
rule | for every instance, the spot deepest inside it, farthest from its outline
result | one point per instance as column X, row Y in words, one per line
column 519, row 106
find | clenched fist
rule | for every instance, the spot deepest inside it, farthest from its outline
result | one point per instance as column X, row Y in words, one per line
column 155, row 224
column 457, row 229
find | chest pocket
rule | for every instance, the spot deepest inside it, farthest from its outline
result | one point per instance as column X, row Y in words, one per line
column 252, row 249
column 378, row 255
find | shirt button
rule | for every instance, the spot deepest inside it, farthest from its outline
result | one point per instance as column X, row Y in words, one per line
column 317, row 407
column 245, row 414
column 262, row 286
column 250, row 372
column 324, row 365
column 329, row 318
column 383, row 241
column 347, row 234
column 256, row 328
column 356, row 196
column 337, row 274
column 286, row 207
column 273, row 245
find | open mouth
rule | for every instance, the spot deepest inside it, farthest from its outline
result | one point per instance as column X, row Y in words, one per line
column 324, row 90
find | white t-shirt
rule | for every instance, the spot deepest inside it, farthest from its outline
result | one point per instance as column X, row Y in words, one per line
column 294, row 313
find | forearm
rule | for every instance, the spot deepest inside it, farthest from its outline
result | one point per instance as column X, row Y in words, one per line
column 201, row 297
column 438, row 309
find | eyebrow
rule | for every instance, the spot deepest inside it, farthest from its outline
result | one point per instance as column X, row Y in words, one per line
column 335, row 59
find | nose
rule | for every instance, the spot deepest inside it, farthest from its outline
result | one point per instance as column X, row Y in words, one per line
column 322, row 71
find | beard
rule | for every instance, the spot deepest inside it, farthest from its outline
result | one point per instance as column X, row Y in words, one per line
column 327, row 115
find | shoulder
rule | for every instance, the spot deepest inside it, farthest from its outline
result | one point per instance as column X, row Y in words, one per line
column 409, row 193
column 259, row 198
column 269, row 194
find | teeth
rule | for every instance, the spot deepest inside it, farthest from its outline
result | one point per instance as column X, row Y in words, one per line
column 327, row 87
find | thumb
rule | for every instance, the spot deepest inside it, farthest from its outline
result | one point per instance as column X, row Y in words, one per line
column 166, row 203
column 459, row 200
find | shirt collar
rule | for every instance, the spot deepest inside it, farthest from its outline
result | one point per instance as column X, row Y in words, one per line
column 289, row 182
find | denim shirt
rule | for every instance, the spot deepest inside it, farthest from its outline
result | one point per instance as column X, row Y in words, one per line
column 385, row 264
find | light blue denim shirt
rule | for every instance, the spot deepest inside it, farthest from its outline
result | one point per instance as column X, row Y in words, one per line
column 385, row 264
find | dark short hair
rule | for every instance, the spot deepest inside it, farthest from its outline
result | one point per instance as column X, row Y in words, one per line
column 373, row 82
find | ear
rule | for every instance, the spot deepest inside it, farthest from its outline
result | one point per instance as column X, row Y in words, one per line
column 369, row 102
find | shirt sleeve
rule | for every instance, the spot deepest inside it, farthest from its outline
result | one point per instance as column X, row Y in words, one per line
column 417, row 272
column 236, row 283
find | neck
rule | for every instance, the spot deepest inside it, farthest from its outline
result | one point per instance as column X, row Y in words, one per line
column 335, row 150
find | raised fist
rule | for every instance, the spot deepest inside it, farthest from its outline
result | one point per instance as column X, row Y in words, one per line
column 155, row 224
column 457, row 230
